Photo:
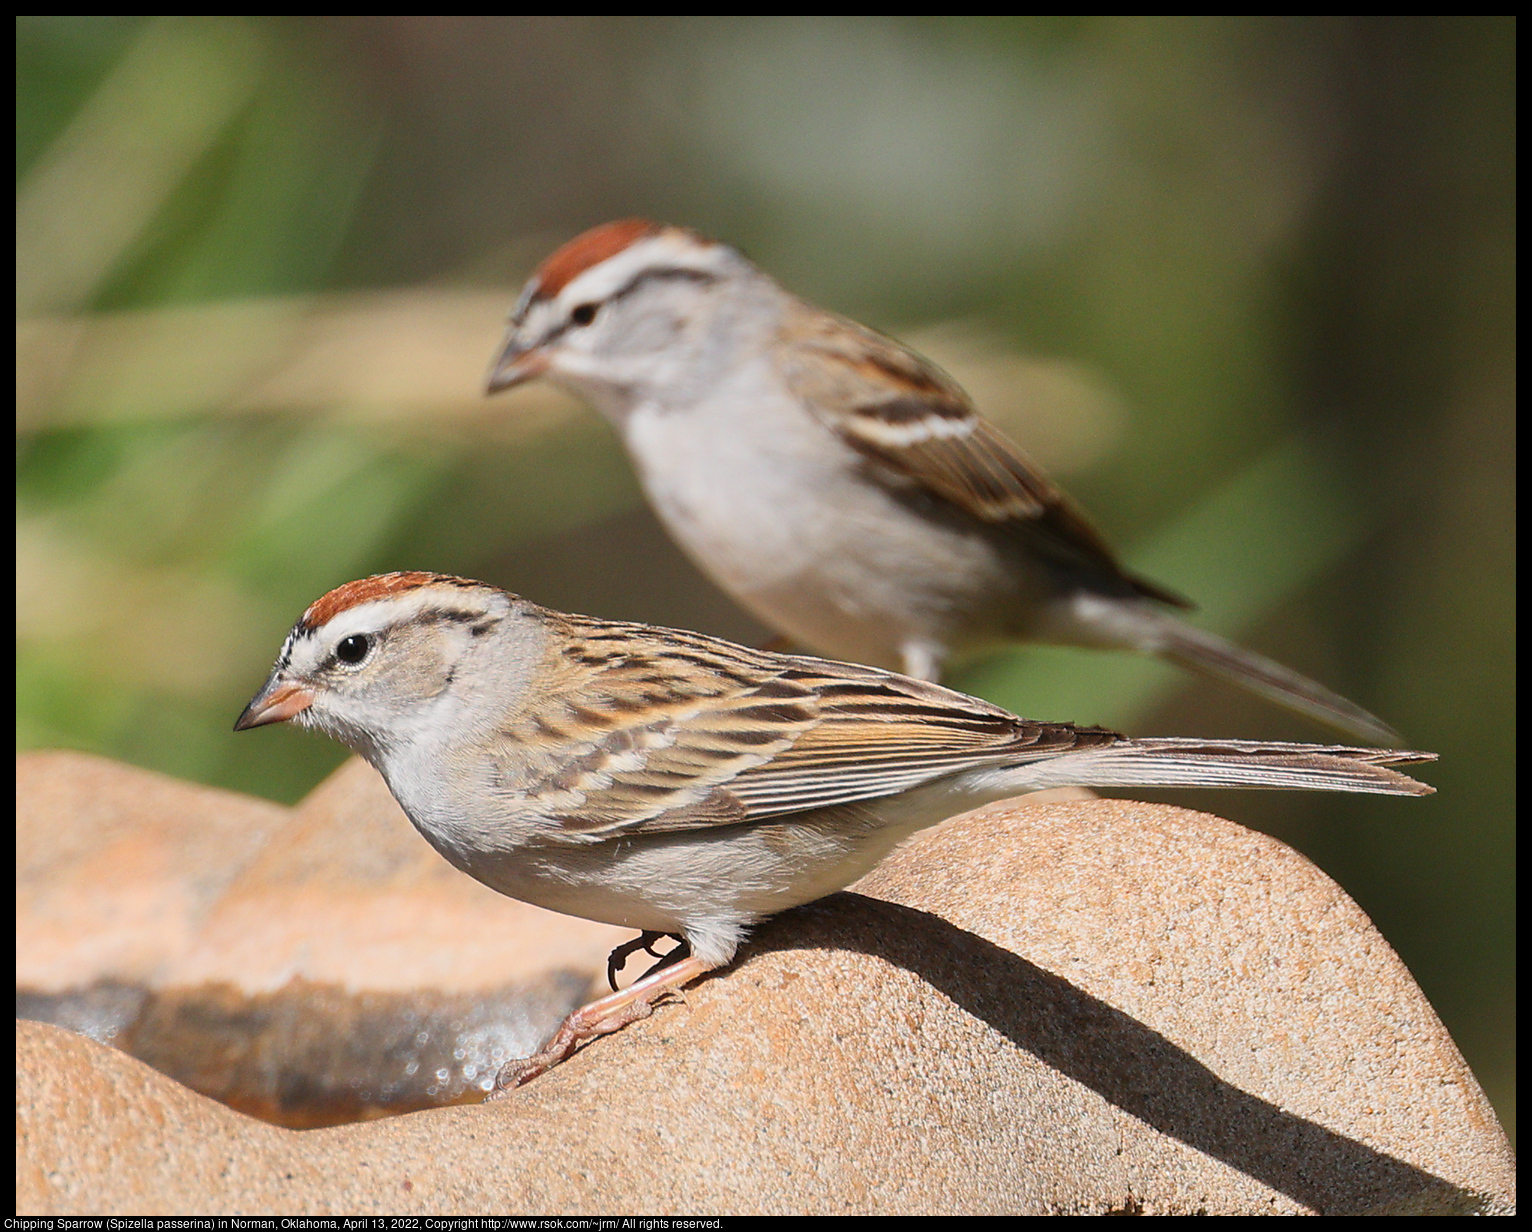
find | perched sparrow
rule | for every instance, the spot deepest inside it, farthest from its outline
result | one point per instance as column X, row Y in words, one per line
column 680, row 784
column 836, row 484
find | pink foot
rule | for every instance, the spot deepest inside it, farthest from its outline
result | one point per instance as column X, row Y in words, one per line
column 601, row 1017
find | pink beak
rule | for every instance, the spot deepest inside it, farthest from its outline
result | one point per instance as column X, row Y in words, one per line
column 274, row 705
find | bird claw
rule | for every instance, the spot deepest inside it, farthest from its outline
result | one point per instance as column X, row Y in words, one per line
column 518, row 1073
column 602, row 1017
column 618, row 958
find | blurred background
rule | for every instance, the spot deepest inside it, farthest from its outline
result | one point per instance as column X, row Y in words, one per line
column 1245, row 285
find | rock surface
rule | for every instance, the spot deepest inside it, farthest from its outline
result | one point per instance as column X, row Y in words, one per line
column 310, row 965
column 1095, row 1007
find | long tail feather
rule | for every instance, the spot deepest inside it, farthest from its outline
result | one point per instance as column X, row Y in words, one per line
column 1095, row 619
column 1190, row 762
column 1214, row 656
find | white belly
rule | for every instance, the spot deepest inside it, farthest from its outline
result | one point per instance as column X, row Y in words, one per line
column 785, row 523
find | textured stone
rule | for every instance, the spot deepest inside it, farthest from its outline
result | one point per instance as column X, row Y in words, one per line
column 117, row 868
column 310, row 966
column 1212, row 986
column 1094, row 1008
column 352, row 895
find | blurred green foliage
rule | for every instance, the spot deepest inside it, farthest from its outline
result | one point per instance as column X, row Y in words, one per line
column 1284, row 246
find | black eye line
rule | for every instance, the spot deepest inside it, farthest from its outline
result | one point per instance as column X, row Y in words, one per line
column 666, row 272
column 450, row 615
column 638, row 280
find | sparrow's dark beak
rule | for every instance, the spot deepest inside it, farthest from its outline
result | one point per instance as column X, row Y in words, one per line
column 519, row 361
column 277, row 702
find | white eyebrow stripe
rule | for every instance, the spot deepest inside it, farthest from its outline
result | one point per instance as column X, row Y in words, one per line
column 670, row 249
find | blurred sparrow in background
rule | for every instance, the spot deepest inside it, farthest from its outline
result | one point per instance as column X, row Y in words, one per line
column 836, row 484
column 677, row 783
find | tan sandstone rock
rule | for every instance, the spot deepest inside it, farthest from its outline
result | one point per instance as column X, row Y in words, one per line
column 311, row 965
column 1096, row 1007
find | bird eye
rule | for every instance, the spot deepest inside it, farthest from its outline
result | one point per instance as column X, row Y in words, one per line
column 353, row 649
column 584, row 314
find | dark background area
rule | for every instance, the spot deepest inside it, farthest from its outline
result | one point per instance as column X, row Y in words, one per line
column 1245, row 285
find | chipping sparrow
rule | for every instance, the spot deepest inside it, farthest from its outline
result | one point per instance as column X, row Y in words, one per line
column 680, row 784
column 836, row 484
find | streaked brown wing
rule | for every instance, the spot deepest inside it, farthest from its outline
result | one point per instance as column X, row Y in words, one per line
column 896, row 408
column 877, row 737
column 686, row 731
column 641, row 725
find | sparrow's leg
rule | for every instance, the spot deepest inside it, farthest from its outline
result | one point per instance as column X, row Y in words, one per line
column 922, row 659
column 601, row 1017
column 682, row 950
column 618, row 958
